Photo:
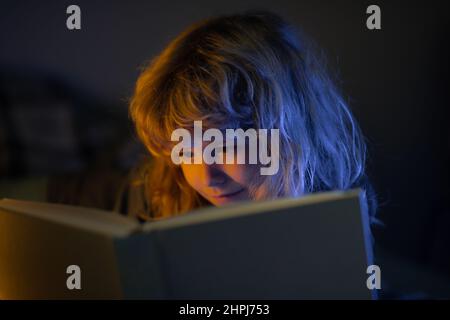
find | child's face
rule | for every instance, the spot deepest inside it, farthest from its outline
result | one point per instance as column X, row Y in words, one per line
column 220, row 184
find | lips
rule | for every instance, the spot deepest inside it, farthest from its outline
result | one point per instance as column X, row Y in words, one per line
column 228, row 195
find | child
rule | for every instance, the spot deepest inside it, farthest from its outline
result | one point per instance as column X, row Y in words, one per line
column 245, row 71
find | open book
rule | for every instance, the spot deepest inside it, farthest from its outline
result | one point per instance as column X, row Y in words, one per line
column 317, row 246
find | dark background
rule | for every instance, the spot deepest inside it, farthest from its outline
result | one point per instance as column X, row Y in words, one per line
column 395, row 79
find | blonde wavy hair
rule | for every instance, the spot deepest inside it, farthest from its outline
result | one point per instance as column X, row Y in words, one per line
column 241, row 71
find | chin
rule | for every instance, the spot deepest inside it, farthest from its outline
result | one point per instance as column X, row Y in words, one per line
column 218, row 202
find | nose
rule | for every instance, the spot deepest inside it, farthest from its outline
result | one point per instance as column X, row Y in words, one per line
column 212, row 175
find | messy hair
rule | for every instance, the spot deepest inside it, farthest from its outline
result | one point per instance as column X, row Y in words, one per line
column 248, row 70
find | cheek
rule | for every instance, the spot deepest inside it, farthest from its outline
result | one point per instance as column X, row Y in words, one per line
column 192, row 175
column 240, row 173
